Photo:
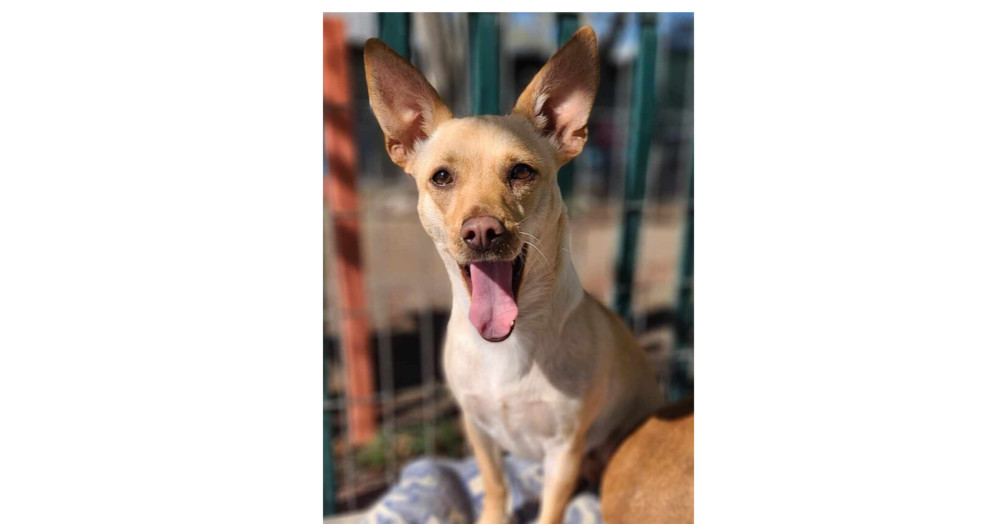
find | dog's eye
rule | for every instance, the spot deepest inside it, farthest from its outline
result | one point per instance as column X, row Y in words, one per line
column 441, row 178
column 521, row 172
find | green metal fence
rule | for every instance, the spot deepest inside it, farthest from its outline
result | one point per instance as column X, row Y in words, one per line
column 484, row 63
column 640, row 133
column 568, row 23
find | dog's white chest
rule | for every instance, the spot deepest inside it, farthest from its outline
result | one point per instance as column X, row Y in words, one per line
column 516, row 405
column 517, row 423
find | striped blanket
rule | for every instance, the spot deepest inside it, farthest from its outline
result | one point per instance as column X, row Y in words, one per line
column 441, row 491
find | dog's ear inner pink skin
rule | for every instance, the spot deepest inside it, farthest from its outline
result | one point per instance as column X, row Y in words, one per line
column 406, row 106
column 559, row 99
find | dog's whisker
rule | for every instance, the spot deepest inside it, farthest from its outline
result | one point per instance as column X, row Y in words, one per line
column 522, row 220
column 549, row 264
column 530, row 235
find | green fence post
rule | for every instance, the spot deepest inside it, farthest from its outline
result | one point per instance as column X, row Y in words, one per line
column 484, row 60
column 394, row 30
column 680, row 383
column 685, row 280
column 640, row 132
column 568, row 24
column 329, row 474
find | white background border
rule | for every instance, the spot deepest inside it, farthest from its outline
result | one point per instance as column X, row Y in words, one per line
column 160, row 288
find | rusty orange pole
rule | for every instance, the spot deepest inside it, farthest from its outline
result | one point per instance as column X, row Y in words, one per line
column 341, row 197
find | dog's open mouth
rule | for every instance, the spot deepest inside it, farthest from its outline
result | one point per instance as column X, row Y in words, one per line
column 493, row 288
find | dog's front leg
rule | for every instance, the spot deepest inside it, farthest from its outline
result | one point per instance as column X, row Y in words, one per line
column 562, row 474
column 491, row 470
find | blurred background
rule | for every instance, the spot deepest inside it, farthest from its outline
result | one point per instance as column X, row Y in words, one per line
column 387, row 302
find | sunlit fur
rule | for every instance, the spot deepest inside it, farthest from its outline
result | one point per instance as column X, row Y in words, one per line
column 479, row 153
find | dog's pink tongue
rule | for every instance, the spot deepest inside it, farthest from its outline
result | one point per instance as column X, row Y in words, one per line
column 493, row 308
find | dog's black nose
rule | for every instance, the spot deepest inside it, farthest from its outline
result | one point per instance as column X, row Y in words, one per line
column 483, row 233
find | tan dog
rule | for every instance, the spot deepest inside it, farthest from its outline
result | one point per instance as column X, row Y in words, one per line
column 539, row 367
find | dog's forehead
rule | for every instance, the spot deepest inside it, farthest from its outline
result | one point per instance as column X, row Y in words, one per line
column 484, row 140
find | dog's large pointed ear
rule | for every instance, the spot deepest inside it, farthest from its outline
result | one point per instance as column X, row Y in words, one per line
column 558, row 100
column 406, row 106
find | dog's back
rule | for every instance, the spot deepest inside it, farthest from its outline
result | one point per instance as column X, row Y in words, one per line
column 650, row 478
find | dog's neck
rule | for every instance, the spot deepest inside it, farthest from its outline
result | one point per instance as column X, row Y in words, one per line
column 550, row 290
